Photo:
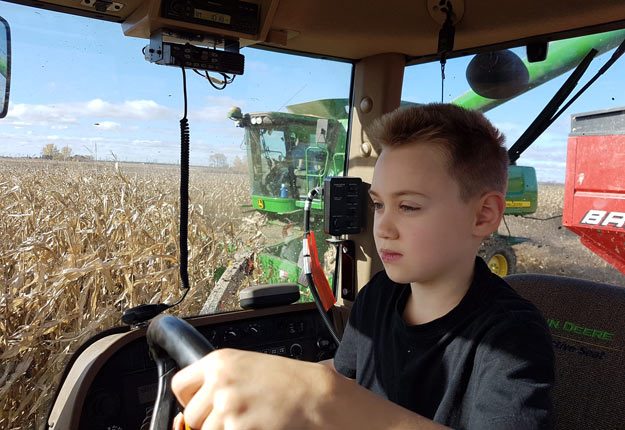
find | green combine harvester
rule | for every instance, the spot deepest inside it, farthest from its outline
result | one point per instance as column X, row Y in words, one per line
column 290, row 153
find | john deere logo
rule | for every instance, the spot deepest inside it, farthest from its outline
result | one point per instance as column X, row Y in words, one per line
column 261, row 203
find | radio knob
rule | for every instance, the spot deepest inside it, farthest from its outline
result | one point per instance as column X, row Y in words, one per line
column 323, row 343
column 231, row 333
column 296, row 350
column 253, row 330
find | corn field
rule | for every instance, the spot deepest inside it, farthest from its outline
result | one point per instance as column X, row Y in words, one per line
column 81, row 242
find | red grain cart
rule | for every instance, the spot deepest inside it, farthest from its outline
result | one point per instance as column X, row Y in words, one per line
column 594, row 198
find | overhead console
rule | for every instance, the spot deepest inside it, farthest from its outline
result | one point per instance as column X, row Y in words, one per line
column 200, row 34
column 245, row 21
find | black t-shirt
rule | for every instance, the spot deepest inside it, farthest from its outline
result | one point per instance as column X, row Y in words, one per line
column 487, row 364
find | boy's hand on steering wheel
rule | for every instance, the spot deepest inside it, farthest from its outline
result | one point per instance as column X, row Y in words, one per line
column 179, row 423
column 231, row 389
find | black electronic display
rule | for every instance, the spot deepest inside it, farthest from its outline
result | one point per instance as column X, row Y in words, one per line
column 237, row 16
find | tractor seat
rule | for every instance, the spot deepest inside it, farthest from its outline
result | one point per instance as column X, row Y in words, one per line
column 587, row 323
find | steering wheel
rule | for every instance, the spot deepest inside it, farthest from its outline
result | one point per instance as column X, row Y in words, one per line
column 174, row 344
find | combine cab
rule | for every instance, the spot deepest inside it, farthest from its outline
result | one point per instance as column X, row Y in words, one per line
column 594, row 200
column 291, row 153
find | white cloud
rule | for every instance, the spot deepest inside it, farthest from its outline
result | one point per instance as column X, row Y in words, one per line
column 97, row 105
column 25, row 114
column 60, row 116
column 135, row 109
column 108, row 125
column 64, row 114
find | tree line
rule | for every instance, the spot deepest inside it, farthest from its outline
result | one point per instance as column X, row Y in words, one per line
column 216, row 160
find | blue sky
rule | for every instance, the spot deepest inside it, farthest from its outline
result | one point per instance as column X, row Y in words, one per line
column 89, row 87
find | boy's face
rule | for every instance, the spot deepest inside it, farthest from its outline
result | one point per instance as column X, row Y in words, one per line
column 422, row 228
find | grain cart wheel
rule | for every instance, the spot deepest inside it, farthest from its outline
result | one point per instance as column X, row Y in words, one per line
column 499, row 256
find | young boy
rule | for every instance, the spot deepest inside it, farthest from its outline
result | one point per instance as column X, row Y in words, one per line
column 436, row 338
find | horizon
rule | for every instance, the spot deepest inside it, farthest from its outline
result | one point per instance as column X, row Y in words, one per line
column 227, row 169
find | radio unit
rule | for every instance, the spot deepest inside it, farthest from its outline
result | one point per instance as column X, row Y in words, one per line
column 173, row 53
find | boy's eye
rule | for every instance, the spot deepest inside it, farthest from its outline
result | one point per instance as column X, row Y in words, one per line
column 407, row 208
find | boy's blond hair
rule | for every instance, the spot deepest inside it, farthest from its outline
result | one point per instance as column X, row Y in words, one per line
column 477, row 157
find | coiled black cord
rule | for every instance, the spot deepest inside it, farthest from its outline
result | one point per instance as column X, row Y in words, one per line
column 184, row 191
column 142, row 313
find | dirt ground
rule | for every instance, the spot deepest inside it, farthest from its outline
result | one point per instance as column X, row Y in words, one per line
column 551, row 247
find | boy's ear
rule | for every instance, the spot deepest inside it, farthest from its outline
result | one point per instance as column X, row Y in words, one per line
column 488, row 213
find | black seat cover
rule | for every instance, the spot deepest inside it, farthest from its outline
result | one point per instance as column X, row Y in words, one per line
column 587, row 322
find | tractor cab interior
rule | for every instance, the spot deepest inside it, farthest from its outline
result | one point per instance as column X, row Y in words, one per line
column 357, row 60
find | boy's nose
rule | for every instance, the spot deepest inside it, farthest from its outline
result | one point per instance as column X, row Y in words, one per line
column 384, row 227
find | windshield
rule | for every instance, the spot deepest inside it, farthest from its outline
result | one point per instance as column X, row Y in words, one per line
column 90, row 186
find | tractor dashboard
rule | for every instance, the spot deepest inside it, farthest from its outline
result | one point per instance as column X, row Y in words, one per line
column 119, row 375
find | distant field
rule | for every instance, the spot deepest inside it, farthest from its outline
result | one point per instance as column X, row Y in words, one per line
column 81, row 242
